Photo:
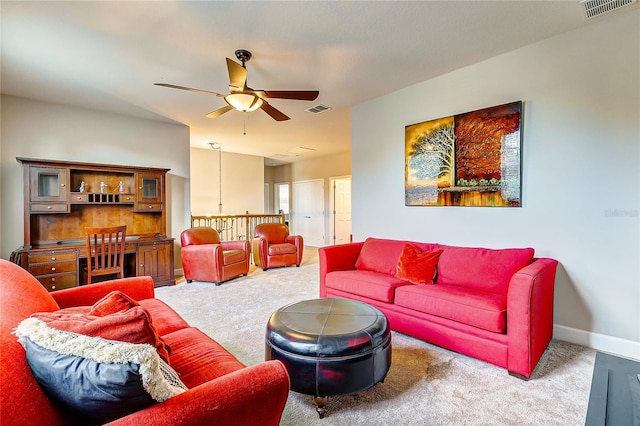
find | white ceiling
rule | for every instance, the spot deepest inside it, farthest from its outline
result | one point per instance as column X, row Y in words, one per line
column 107, row 55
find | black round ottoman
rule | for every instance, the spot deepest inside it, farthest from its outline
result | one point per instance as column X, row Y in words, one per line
column 330, row 346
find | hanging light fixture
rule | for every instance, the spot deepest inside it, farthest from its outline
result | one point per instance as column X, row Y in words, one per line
column 244, row 102
column 214, row 146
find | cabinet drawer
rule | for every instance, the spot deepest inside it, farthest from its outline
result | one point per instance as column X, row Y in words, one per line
column 78, row 197
column 51, row 256
column 148, row 207
column 58, row 282
column 52, row 268
column 127, row 199
column 49, row 208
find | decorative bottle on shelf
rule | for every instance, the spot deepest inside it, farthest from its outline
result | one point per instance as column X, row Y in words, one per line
column 121, row 187
column 103, row 187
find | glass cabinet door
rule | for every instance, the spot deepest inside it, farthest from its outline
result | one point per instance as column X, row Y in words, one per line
column 149, row 188
column 48, row 184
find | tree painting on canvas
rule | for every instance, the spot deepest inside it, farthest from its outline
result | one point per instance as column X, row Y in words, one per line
column 470, row 159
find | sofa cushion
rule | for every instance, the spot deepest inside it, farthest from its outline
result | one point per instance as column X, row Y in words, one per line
column 281, row 248
column 417, row 266
column 381, row 255
column 481, row 268
column 114, row 317
column 230, row 257
column 373, row 285
column 197, row 358
column 165, row 319
column 97, row 378
column 477, row 308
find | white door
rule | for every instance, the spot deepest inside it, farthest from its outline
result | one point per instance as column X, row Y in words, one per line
column 340, row 210
column 308, row 211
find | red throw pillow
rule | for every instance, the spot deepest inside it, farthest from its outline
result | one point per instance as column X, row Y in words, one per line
column 114, row 317
column 116, row 301
column 416, row 266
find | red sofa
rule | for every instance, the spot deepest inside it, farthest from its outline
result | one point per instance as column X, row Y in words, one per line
column 221, row 390
column 494, row 305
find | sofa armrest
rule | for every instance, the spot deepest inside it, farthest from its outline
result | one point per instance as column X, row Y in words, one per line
column 530, row 315
column 236, row 245
column 341, row 257
column 255, row 395
column 138, row 288
column 202, row 262
column 259, row 250
column 297, row 241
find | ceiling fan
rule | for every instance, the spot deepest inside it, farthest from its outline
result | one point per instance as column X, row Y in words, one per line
column 245, row 99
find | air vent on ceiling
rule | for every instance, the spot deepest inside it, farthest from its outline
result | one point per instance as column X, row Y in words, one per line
column 594, row 8
column 300, row 150
column 318, row 109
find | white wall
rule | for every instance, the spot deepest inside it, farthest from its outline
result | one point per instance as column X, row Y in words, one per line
column 581, row 158
column 327, row 167
column 50, row 131
column 242, row 182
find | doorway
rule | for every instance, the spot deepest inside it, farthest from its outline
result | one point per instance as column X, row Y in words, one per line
column 281, row 200
column 308, row 211
column 340, row 198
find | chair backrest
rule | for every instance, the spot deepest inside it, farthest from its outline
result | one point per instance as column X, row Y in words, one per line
column 105, row 251
column 199, row 235
column 274, row 233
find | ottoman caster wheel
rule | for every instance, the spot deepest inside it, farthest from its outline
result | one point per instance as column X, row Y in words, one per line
column 321, row 405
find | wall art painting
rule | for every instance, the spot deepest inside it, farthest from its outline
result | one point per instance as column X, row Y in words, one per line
column 470, row 159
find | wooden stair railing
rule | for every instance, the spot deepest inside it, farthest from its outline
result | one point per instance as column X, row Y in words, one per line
column 235, row 226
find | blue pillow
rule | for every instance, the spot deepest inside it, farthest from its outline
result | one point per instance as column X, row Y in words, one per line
column 99, row 379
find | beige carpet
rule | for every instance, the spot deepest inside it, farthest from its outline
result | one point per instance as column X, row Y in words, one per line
column 426, row 385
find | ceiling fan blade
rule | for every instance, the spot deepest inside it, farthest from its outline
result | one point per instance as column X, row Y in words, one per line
column 300, row 95
column 274, row 113
column 219, row 112
column 237, row 75
column 191, row 89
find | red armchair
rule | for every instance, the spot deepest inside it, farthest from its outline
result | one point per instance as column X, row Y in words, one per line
column 206, row 258
column 274, row 247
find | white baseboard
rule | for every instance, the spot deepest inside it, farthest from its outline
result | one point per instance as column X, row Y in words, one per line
column 601, row 342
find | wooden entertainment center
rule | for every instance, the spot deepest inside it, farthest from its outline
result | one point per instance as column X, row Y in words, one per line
column 61, row 198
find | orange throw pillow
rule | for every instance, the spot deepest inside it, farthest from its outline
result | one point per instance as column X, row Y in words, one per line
column 416, row 266
column 114, row 317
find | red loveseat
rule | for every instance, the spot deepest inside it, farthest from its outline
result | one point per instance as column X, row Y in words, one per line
column 221, row 390
column 494, row 305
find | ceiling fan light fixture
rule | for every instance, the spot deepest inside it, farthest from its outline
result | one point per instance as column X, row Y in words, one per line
column 244, row 102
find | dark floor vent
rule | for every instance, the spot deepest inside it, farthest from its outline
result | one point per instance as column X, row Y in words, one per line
column 594, row 8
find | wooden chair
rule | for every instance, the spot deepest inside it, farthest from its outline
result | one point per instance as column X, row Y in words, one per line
column 105, row 251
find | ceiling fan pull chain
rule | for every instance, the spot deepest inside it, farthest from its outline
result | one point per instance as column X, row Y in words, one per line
column 244, row 126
